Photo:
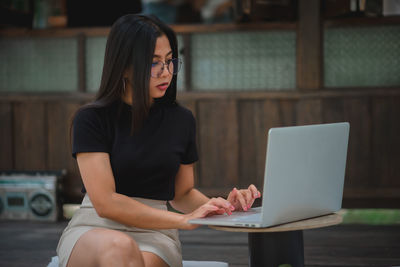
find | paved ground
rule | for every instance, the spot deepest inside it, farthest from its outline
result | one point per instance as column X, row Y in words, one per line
column 32, row 244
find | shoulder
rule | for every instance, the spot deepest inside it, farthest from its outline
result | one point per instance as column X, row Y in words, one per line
column 183, row 112
column 181, row 116
column 92, row 113
column 88, row 112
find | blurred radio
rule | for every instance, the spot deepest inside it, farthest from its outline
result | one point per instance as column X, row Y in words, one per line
column 30, row 195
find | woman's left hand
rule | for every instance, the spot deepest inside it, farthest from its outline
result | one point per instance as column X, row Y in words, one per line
column 243, row 199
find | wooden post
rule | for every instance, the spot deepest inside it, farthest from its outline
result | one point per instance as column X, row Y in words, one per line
column 6, row 136
column 309, row 46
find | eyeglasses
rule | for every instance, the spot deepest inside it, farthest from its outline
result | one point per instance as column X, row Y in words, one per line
column 173, row 66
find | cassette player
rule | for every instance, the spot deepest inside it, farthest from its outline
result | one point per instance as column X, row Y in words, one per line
column 30, row 195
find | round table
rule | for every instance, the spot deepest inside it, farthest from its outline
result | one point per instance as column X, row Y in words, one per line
column 281, row 244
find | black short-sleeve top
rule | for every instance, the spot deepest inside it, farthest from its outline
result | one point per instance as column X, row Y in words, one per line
column 144, row 164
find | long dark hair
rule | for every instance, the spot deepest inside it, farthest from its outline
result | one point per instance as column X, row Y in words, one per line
column 130, row 45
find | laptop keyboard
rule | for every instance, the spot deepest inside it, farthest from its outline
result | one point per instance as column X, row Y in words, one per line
column 253, row 215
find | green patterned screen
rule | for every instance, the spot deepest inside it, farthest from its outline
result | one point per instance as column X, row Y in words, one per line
column 38, row 64
column 353, row 57
column 362, row 56
column 95, row 48
column 244, row 61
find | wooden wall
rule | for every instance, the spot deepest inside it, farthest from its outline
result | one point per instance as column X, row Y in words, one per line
column 232, row 139
column 35, row 136
column 231, row 134
column 231, row 126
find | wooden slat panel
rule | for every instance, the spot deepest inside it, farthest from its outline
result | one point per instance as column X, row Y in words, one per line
column 309, row 111
column 332, row 110
column 359, row 160
column 218, row 143
column 58, row 134
column 30, row 136
column 6, row 137
column 229, row 136
column 59, row 117
column 287, row 112
column 255, row 119
column 191, row 105
column 248, row 164
column 363, row 193
column 356, row 112
column 386, row 141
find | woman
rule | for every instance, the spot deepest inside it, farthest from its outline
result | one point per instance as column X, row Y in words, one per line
column 135, row 148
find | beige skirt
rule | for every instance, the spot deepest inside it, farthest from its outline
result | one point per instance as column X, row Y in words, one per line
column 164, row 243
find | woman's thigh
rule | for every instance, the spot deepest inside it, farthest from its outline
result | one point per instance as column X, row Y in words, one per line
column 153, row 260
column 99, row 246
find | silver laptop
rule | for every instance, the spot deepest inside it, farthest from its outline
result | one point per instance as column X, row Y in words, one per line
column 304, row 177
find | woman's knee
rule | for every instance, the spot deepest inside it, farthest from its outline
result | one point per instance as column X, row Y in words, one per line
column 120, row 248
column 122, row 242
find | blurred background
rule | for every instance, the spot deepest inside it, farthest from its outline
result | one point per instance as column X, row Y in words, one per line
column 248, row 66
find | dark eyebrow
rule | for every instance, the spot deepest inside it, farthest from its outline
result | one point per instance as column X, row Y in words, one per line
column 170, row 52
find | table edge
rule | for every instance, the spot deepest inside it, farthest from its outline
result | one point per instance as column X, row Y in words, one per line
column 330, row 219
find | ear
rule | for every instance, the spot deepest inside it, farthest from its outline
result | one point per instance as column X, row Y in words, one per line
column 127, row 73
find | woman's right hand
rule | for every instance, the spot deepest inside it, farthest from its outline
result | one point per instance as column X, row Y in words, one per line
column 212, row 207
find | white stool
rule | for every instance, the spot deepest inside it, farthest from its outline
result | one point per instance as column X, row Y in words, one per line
column 204, row 264
column 54, row 263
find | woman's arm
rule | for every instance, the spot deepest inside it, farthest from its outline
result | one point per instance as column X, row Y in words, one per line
column 99, row 182
column 187, row 198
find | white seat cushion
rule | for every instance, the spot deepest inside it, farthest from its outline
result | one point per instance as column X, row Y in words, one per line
column 54, row 263
column 204, row 264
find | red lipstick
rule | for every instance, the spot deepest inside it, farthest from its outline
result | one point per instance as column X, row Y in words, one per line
column 163, row 86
